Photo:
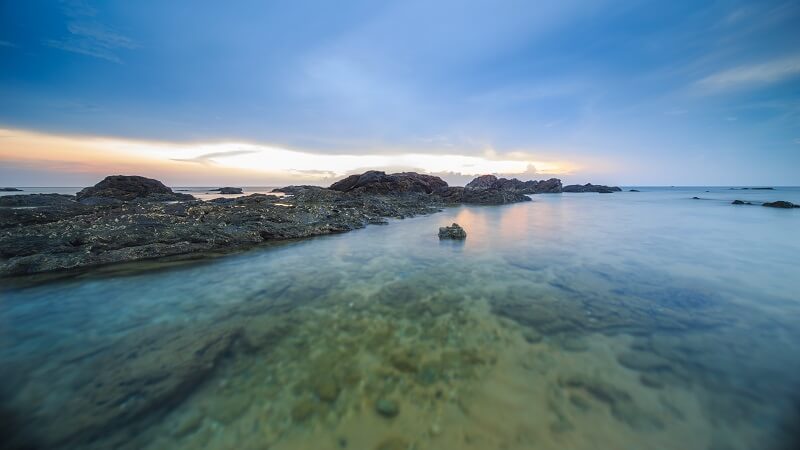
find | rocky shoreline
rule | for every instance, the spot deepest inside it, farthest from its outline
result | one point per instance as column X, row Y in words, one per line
column 131, row 218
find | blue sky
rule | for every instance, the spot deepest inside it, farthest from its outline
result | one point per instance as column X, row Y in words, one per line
column 625, row 92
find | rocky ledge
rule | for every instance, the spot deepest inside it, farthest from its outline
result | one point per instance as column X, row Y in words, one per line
column 130, row 218
column 9, row 189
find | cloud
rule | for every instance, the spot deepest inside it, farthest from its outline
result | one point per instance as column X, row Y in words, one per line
column 752, row 74
column 7, row 44
column 208, row 158
column 89, row 37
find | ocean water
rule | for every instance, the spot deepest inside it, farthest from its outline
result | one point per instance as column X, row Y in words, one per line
column 642, row 320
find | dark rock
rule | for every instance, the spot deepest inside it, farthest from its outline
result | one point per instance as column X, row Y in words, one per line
column 551, row 186
column 387, row 408
column 452, row 232
column 589, row 187
column 128, row 188
column 763, row 189
column 377, row 182
column 634, row 190
column 10, row 189
column 228, row 190
column 492, row 196
column 781, row 204
column 696, row 198
column 740, row 202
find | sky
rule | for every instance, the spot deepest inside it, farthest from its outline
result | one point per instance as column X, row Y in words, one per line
column 282, row 92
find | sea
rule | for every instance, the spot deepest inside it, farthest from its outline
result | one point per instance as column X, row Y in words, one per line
column 632, row 320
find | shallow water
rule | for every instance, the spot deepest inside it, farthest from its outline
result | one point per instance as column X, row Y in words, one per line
column 581, row 321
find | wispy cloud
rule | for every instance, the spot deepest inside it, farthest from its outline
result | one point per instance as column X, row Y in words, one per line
column 7, row 44
column 208, row 158
column 89, row 37
column 752, row 74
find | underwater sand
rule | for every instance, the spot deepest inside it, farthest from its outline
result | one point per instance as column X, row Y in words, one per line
column 624, row 321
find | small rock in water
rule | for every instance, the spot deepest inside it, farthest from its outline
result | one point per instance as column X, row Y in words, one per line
column 778, row 204
column 740, row 202
column 454, row 231
column 387, row 408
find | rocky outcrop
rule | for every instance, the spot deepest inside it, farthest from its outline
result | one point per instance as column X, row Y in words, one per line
column 119, row 188
column 781, row 204
column 551, row 186
column 31, row 209
column 228, row 190
column 454, row 231
column 492, row 196
column 740, row 202
column 377, row 182
column 589, row 187
column 9, row 189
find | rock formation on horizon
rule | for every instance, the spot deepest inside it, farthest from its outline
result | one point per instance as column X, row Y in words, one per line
column 119, row 188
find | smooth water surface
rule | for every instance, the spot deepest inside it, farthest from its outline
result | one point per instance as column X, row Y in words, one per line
column 580, row 321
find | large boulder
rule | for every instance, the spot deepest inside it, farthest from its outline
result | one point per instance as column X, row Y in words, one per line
column 482, row 182
column 551, row 186
column 589, row 187
column 377, row 182
column 492, row 196
column 128, row 188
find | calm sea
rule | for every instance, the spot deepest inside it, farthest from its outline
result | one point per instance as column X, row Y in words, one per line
column 645, row 320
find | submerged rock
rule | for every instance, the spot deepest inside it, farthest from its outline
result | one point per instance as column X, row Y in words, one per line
column 740, row 202
column 454, row 231
column 781, row 204
column 387, row 408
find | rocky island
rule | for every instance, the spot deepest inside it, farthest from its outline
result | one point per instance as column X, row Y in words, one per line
column 129, row 218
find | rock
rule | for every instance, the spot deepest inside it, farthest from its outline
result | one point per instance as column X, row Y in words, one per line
column 128, row 188
column 634, row 190
column 144, row 373
column 10, row 189
column 589, row 187
column 228, row 190
column 387, row 408
column 377, row 182
column 781, row 204
column 740, row 202
column 492, row 196
column 696, row 198
column 551, row 186
column 454, row 231
column 327, row 390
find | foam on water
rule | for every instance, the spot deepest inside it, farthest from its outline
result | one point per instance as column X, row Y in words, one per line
column 630, row 320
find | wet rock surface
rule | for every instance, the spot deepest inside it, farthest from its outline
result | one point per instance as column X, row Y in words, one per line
column 454, row 231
